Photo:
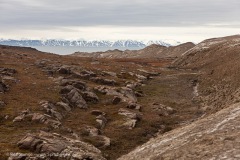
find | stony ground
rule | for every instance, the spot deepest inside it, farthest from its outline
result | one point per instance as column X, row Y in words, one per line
column 66, row 107
column 88, row 108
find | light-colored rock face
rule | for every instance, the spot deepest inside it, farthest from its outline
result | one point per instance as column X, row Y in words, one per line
column 214, row 137
column 58, row 147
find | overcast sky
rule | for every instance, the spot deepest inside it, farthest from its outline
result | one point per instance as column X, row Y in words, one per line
column 182, row 20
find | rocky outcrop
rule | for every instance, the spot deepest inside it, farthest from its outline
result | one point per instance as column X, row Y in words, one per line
column 38, row 118
column 73, row 97
column 124, row 93
column 131, row 118
column 64, row 70
column 90, row 97
column 94, row 135
column 7, row 71
column 75, row 83
column 54, row 146
column 51, row 110
column 85, row 74
column 116, row 100
column 64, row 106
column 162, row 110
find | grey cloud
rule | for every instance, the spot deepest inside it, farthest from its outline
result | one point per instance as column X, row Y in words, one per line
column 172, row 13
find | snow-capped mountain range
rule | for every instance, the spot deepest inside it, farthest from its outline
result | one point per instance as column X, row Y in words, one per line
column 90, row 43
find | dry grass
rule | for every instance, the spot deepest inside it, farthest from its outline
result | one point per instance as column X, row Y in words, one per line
column 34, row 86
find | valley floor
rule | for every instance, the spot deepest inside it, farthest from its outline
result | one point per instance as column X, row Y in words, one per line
column 115, row 105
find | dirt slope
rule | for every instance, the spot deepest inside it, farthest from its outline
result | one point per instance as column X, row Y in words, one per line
column 214, row 137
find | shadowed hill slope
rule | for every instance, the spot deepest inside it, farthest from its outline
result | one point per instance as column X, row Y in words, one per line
column 218, row 60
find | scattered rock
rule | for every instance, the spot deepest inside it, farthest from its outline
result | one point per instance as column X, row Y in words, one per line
column 130, row 124
column 37, row 117
column 63, row 105
column 129, row 114
column 128, row 94
column 51, row 109
column 103, row 81
column 93, row 135
column 116, row 100
column 134, row 106
column 42, row 63
column 2, row 104
column 109, row 73
column 101, row 119
column 131, row 118
column 81, row 76
column 104, row 140
column 139, row 94
column 66, row 89
column 7, row 71
column 75, row 99
column 163, row 110
column 21, row 116
column 131, row 85
column 73, row 96
column 75, row 83
column 103, row 89
column 90, row 97
column 89, row 73
column 90, row 131
column 80, row 85
column 141, row 77
column 64, row 70
column 3, row 87
column 9, row 78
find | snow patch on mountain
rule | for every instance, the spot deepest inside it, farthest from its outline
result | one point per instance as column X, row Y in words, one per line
column 88, row 43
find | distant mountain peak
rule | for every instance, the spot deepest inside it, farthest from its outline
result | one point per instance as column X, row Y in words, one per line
column 88, row 43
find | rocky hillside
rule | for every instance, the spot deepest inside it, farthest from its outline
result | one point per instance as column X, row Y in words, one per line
column 152, row 51
column 55, row 106
column 218, row 61
column 71, row 107
column 217, row 91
